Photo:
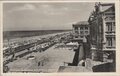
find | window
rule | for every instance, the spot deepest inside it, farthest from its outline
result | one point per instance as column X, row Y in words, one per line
column 76, row 36
column 76, row 28
column 76, row 32
column 81, row 32
column 109, row 26
column 111, row 41
column 86, row 28
column 86, row 32
column 81, row 28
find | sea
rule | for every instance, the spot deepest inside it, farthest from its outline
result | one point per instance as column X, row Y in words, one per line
column 29, row 33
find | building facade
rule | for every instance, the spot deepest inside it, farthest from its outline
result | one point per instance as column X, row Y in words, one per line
column 81, row 30
column 102, row 31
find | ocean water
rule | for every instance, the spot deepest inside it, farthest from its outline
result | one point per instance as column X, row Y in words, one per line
column 21, row 34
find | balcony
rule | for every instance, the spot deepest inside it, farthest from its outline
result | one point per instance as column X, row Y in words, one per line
column 110, row 46
column 109, row 50
column 110, row 32
column 110, row 18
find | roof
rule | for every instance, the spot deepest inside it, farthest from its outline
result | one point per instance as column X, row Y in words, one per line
column 105, row 6
column 82, row 23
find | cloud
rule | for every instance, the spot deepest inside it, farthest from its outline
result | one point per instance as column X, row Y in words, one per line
column 27, row 7
column 45, row 6
column 50, row 9
column 24, row 7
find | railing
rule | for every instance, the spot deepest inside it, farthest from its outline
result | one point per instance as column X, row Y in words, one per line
column 110, row 47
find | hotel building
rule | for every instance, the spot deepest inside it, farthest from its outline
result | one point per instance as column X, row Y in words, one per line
column 102, row 31
column 81, row 30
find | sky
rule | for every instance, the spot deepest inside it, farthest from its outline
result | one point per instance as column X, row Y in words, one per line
column 44, row 16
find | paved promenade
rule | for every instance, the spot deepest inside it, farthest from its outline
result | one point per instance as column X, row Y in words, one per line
column 52, row 59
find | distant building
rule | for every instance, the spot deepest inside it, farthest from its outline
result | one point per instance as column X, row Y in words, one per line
column 81, row 30
column 102, row 31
